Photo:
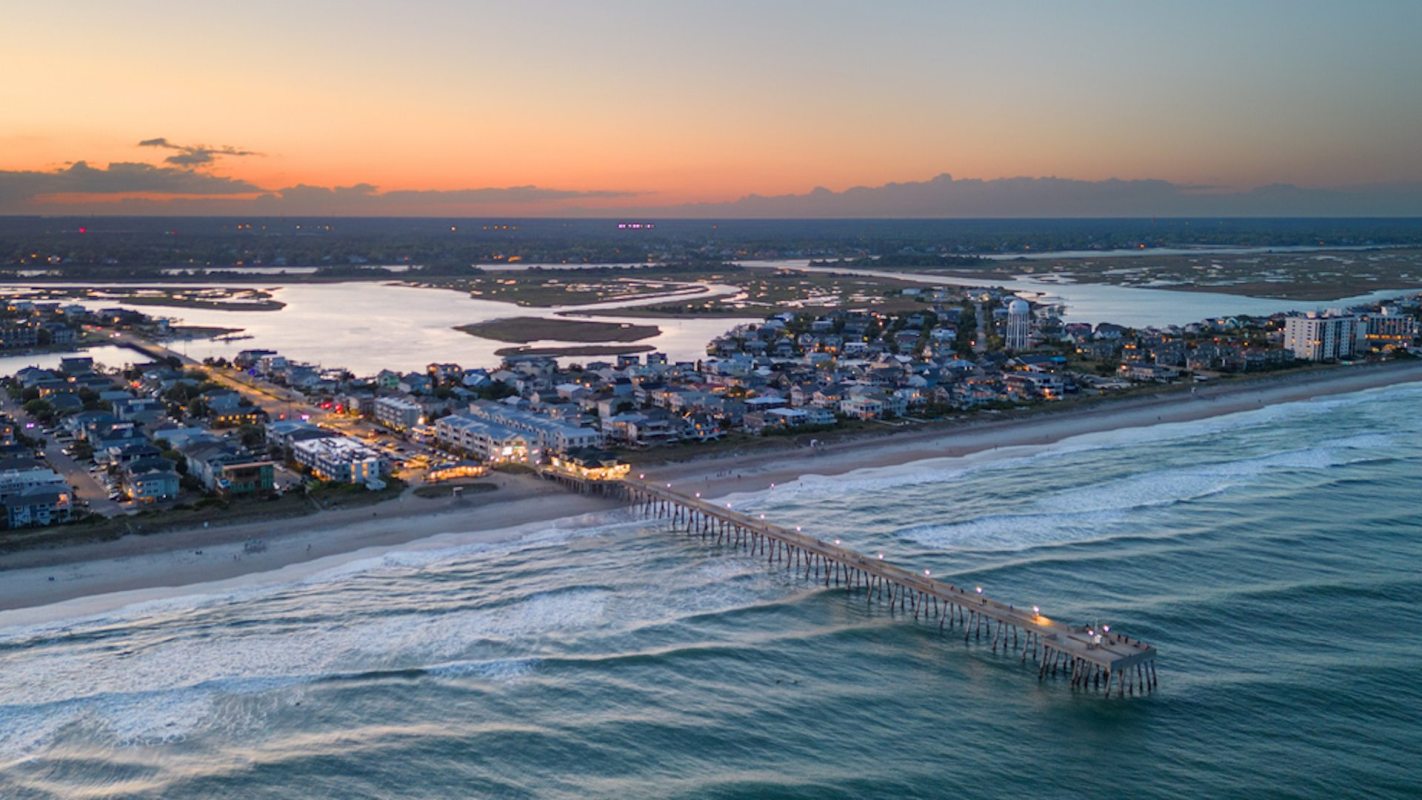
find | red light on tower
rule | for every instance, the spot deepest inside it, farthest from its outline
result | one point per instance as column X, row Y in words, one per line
column 83, row 229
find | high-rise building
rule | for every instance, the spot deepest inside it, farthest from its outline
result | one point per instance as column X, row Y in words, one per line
column 1019, row 325
column 1320, row 338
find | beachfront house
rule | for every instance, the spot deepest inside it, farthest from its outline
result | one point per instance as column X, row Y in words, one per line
column 149, row 480
column 225, row 468
column 36, row 507
column 32, row 494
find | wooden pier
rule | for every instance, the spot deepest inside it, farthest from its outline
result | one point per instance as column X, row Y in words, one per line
column 1095, row 660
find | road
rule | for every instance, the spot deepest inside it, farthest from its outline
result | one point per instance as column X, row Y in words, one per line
column 280, row 402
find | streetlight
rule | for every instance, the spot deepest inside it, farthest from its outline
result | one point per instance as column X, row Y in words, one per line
column 980, row 590
column 1036, row 612
column 927, row 573
column 881, row 556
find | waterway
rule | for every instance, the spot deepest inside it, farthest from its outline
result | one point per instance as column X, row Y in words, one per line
column 369, row 326
column 1123, row 305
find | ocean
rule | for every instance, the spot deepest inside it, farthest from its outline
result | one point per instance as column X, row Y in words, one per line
column 1274, row 557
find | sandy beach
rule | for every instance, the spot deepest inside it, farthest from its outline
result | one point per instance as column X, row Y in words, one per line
column 46, row 584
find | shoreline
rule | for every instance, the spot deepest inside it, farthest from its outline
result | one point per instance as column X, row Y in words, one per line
column 45, row 584
column 722, row 474
column 132, row 568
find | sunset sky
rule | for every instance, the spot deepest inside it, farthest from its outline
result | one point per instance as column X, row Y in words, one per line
column 437, row 107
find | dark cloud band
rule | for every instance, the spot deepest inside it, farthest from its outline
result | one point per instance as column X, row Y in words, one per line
column 189, row 156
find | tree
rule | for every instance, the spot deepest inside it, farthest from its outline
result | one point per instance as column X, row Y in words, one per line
column 41, row 410
column 252, row 436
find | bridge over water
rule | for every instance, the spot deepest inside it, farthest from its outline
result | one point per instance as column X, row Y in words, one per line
column 1098, row 660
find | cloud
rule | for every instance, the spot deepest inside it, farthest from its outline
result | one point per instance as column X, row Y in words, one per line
column 946, row 197
column 81, row 188
column 191, row 156
column 22, row 191
column 127, row 187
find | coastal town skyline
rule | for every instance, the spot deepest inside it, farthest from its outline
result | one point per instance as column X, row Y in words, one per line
column 729, row 109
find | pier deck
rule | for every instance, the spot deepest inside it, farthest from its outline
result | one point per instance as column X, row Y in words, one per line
column 1089, row 657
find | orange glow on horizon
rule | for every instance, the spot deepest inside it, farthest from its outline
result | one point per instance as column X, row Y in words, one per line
column 693, row 105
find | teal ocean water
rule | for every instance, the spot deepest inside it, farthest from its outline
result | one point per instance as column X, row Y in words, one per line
column 1274, row 557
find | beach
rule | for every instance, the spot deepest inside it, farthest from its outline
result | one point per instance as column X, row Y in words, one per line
column 45, row 584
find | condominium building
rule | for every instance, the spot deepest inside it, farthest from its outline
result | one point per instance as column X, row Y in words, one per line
column 543, row 433
column 340, row 459
column 398, row 413
column 1390, row 328
column 489, row 441
column 1320, row 338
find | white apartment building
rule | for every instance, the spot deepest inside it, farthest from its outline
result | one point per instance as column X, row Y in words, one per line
column 340, row 459
column 542, row 432
column 1320, row 338
column 489, row 441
